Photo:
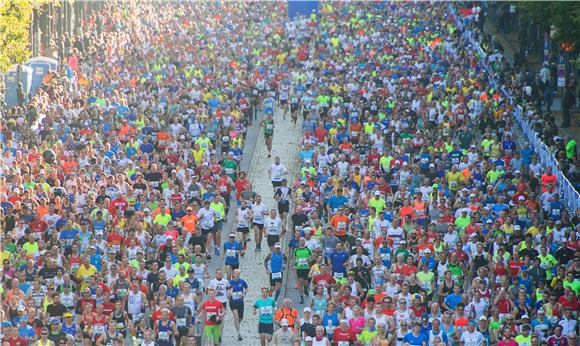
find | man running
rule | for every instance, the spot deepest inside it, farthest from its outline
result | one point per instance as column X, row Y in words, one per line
column 213, row 310
column 277, row 172
column 259, row 210
column 236, row 293
column 275, row 229
column 243, row 218
column 274, row 264
column 266, row 306
column 302, row 254
column 268, row 125
column 231, row 256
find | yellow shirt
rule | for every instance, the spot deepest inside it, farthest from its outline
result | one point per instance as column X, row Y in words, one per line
column 84, row 274
column 454, row 180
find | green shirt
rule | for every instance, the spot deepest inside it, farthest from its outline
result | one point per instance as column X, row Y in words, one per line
column 366, row 336
column 425, row 279
column 302, row 256
column 220, row 209
column 162, row 219
column 230, row 166
column 30, row 248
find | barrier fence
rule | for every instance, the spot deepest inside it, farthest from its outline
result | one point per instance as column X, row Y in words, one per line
column 568, row 193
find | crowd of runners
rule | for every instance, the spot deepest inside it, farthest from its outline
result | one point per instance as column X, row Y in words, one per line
column 417, row 217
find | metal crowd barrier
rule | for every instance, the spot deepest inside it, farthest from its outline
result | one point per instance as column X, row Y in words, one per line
column 568, row 193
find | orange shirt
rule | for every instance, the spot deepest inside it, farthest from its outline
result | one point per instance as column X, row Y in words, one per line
column 189, row 222
column 340, row 224
column 42, row 210
column 407, row 210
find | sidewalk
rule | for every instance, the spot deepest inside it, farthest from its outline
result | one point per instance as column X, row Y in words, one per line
column 285, row 145
column 510, row 46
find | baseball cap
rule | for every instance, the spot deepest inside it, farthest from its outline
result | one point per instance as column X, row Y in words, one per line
column 146, row 210
column 307, row 309
column 525, row 316
column 54, row 320
column 377, row 193
column 517, row 227
column 277, row 245
column 483, row 318
column 232, row 234
column 471, row 323
column 308, row 338
column 284, row 322
column 68, row 314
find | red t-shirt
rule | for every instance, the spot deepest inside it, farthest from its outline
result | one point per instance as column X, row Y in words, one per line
column 211, row 308
column 16, row 342
column 325, row 280
column 510, row 342
column 342, row 335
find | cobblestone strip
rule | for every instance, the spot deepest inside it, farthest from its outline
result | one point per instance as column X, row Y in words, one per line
column 285, row 144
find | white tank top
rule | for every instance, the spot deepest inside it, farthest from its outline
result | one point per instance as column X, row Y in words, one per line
column 319, row 343
column 189, row 301
column 198, row 272
column 135, row 303
column 243, row 217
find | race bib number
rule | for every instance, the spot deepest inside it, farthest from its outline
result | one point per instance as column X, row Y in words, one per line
column 303, row 261
column 120, row 325
column 181, row 322
column 343, row 343
column 386, row 256
column 237, row 295
column 266, row 310
column 339, row 275
column 231, row 253
column 269, row 127
column 163, row 336
column 223, row 189
column 277, row 275
column 99, row 329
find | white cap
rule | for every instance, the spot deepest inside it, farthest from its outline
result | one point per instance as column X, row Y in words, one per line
column 525, row 316
column 521, row 198
column 307, row 309
column 284, row 322
column 517, row 227
column 377, row 193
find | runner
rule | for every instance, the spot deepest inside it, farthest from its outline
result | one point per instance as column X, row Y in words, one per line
column 236, row 293
column 303, row 255
column 212, row 309
column 259, row 211
column 233, row 249
column 268, row 125
column 265, row 306
column 242, row 221
column 274, row 263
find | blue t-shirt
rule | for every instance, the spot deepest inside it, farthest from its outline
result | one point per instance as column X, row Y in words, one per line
column 68, row 235
column 413, row 340
column 238, row 287
column 338, row 259
column 452, row 300
column 231, row 251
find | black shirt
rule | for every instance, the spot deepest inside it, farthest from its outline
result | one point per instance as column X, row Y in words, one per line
column 56, row 310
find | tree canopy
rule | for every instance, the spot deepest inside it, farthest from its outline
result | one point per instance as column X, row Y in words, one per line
column 15, row 21
column 563, row 15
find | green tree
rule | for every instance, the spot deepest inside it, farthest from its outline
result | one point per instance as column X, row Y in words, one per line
column 563, row 15
column 15, row 21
